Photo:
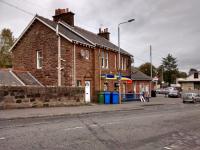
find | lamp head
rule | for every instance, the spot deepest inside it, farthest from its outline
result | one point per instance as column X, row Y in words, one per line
column 131, row 20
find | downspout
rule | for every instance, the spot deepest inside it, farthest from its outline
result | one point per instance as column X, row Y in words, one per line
column 59, row 57
column 74, row 64
column 99, row 70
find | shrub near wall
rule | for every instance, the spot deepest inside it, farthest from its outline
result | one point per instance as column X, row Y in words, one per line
column 25, row 96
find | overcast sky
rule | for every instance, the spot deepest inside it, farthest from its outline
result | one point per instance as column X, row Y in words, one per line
column 170, row 26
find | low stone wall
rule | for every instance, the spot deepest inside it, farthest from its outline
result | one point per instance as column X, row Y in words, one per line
column 26, row 97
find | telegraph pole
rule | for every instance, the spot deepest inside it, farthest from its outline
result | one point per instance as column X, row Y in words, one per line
column 151, row 67
column 151, row 60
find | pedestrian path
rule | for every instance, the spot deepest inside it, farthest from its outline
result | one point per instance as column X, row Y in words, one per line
column 73, row 110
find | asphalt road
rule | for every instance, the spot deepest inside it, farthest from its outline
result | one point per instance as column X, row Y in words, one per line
column 159, row 127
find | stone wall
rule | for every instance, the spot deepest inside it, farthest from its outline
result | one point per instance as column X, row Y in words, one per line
column 26, row 97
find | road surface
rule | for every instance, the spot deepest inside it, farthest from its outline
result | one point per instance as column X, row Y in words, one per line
column 157, row 127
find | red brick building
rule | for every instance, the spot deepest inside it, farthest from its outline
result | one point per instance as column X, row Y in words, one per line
column 141, row 82
column 59, row 53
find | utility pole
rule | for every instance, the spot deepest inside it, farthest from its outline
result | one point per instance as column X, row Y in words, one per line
column 119, row 61
column 151, row 60
column 151, row 68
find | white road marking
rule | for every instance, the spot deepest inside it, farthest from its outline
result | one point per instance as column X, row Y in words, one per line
column 111, row 123
column 93, row 125
column 74, row 128
column 2, row 138
column 167, row 147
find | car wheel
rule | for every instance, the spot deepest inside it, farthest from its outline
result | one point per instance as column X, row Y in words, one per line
column 184, row 102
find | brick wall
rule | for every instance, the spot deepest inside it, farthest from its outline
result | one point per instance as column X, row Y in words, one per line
column 38, row 37
column 24, row 97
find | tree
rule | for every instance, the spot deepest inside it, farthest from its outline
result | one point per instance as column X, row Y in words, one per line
column 146, row 69
column 170, row 69
column 6, row 41
column 182, row 74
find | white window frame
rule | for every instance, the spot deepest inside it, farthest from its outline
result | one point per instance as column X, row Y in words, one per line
column 39, row 59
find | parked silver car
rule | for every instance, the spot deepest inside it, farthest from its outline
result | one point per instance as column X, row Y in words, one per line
column 191, row 97
column 174, row 93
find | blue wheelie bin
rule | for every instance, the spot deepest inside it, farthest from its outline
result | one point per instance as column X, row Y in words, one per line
column 107, row 97
column 115, row 98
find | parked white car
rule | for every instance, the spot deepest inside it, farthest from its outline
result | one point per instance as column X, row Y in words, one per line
column 191, row 97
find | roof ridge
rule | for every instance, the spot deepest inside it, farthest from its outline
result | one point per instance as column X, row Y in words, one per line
column 95, row 35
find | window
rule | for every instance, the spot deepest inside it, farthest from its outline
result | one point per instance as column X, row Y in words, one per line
column 196, row 75
column 125, row 64
column 78, row 83
column 105, row 86
column 106, row 60
column 102, row 59
column 87, row 54
column 39, row 60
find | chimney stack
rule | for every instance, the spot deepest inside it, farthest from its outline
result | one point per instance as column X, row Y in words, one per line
column 64, row 15
column 104, row 33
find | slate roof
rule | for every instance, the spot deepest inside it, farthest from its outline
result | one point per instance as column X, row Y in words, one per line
column 27, row 78
column 139, row 76
column 7, row 78
column 65, row 31
column 81, row 35
column 17, row 78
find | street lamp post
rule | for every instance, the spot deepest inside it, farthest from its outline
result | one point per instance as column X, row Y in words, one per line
column 119, row 65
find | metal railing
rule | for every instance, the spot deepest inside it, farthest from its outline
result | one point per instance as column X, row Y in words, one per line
column 131, row 97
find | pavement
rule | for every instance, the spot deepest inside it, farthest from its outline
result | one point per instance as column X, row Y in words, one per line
column 85, row 109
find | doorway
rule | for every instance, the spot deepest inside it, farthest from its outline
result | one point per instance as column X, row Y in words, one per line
column 87, row 91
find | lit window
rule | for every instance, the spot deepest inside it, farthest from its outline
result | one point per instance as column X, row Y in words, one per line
column 39, row 59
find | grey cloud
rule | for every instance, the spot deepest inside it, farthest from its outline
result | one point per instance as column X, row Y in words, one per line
column 170, row 26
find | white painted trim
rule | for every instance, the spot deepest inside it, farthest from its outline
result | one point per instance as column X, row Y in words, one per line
column 35, row 78
column 76, row 32
column 16, row 77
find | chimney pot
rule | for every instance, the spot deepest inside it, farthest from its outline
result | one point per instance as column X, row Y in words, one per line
column 64, row 15
column 104, row 33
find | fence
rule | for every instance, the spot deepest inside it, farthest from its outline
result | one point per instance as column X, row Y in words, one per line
column 131, row 97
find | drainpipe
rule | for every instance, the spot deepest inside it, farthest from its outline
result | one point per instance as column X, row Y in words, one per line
column 59, row 57
column 99, row 70
column 74, row 64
